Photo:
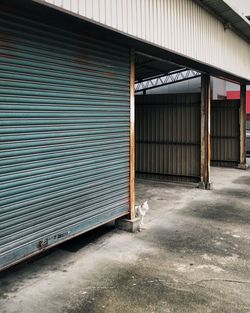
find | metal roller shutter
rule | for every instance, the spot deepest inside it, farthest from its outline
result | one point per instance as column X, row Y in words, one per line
column 64, row 158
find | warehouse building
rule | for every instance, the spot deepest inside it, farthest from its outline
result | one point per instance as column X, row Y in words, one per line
column 73, row 133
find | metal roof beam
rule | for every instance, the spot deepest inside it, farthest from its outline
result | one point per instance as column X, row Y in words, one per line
column 164, row 80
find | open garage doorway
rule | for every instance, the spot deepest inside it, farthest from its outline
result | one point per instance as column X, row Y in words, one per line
column 228, row 125
column 225, row 125
column 225, row 133
column 184, row 123
column 167, row 121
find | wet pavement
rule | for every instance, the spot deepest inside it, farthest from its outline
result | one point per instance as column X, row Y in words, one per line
column 193, row 255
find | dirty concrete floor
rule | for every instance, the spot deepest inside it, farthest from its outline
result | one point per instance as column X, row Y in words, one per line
column 192, row 256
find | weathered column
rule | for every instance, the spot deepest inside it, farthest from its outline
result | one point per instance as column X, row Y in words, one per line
column 131, row 224
column 242, row 151
column 205, row 154
column 132, row 134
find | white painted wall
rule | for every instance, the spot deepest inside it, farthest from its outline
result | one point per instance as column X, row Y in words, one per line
column 234, row 87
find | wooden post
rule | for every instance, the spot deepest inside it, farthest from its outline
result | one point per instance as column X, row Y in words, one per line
column 132, row 134
column 242, row 121
column 205, row 155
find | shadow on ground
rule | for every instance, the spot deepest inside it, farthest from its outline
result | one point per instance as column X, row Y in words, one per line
column 192, row 257
column 245, row 180
column 194, row 240
column 234, row 192
column 51, row 260
column 90, row 237
column 231, row 212
column 145, row 291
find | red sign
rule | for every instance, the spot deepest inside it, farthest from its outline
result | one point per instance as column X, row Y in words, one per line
column 236, row 95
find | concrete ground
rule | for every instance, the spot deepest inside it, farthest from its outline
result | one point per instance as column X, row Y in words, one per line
column 192, row 256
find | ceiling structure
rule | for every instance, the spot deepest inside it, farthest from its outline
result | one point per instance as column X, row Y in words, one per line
column 153, row 73
column 147, row 67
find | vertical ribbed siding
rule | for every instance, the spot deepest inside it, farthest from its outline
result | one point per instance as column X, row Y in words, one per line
column 181, row 26
column 64, row 158
column 248, row 135
column 248, row 144
column 225, row 132
column 168, row 136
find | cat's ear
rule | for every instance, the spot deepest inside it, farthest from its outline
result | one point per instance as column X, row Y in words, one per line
column 146, row 202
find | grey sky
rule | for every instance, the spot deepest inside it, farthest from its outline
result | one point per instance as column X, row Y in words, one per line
column 242, row 5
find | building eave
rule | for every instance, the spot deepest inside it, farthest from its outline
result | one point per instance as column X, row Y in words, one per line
column 229, row 16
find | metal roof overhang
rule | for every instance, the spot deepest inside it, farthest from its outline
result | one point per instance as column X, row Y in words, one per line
column 148, row 67
column 45, row 12
column 228, row 15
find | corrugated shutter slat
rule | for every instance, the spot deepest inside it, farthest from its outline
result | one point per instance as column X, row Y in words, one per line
column 64, row 135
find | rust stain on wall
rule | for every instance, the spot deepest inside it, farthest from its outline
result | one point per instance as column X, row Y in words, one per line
column 109, row 74
column 6, row 44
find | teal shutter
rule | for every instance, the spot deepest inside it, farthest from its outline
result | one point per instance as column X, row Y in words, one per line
column 64, row 135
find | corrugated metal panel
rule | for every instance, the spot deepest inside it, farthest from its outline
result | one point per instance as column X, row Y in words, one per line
column 248, row 144
column 248, row 135
column 168, row 136
column 181, row 26
column 225, row 132
column 64, row 159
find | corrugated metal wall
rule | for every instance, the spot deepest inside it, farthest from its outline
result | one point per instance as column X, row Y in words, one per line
column 225, row 133
column 181, row 26
column 64, row 158
column 248, row 135
column 168, row 136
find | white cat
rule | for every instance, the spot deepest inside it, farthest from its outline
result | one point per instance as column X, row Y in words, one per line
column 141, row 211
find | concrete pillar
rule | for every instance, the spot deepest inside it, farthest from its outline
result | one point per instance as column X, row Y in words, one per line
column 205, row 155
column 242, row 151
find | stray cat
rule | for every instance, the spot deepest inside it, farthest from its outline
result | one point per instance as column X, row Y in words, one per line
column 141, row 211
